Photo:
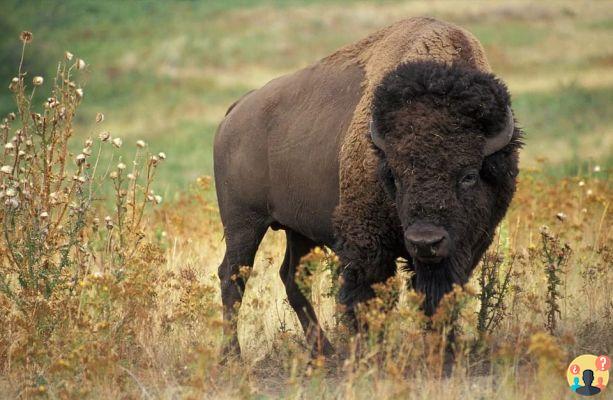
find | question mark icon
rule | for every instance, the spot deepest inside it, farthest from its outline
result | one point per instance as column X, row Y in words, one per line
column 603, row 363
column 574, row 369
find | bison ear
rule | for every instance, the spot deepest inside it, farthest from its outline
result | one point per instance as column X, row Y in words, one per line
column 376, row 137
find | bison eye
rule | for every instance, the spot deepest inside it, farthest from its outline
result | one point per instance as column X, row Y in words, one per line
column 469, row 179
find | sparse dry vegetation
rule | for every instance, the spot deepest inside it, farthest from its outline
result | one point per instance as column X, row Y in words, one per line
column 105, row 293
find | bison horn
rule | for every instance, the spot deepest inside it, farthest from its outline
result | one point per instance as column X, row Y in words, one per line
column 502, row 138
column 376, row 137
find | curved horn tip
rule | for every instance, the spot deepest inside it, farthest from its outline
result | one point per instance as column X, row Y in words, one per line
column 502, row 138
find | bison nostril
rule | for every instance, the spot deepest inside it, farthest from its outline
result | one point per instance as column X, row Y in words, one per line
column 427, row 241
column 424, row 241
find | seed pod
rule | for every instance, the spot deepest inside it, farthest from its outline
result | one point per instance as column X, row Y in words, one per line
column 80, row 64
column 104, row 136
column 14, row 85
column 26, row 36
column 81, row 159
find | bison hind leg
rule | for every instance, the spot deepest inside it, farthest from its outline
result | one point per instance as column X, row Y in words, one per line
column 243, row 238
column 297, row 246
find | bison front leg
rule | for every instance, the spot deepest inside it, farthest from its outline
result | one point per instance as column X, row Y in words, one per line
column 363, row 267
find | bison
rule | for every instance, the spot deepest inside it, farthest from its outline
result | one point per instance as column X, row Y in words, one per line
column 402, row 145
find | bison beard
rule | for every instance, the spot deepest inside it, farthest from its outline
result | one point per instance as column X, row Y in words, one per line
column 435, row 282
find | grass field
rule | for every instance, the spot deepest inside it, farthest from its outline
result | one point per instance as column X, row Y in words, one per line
column 165, row 72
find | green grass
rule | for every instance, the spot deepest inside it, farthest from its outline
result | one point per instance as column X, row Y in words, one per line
column 166, row 71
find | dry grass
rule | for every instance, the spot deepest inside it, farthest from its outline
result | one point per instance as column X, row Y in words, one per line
column 512, row 358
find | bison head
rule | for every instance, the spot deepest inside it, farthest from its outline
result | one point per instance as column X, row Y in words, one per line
column 448, row 159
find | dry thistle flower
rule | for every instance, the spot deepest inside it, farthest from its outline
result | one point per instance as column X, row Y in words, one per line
column 26, row 36
column 37, row 80
column 12, row 116
column 104, row 136
column 157, row 198
column 9, row 146
column 79, row 93
column 10, row 192
column 597, row 168
column 561, row 216
column 12, row 203
column 80, row 64
column 44, row 215
column 117, row 142
column 581, row 183
column 80, row 159
column 51, row 102
column 6, row 169
column 14, row 85
column 140, row 144
column 99, row 117
column 68, row 55
column 162, row 155
column 131, row 176
column 89, row 142
column 121, row 166
column 113, row 175
column 109, row 222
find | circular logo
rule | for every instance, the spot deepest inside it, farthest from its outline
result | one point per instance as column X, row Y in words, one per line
column 588, row 374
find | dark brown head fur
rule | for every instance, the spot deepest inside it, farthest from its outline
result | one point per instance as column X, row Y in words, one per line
column 434, row 119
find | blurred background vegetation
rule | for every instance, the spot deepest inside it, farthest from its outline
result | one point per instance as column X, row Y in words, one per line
column 166, row 71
